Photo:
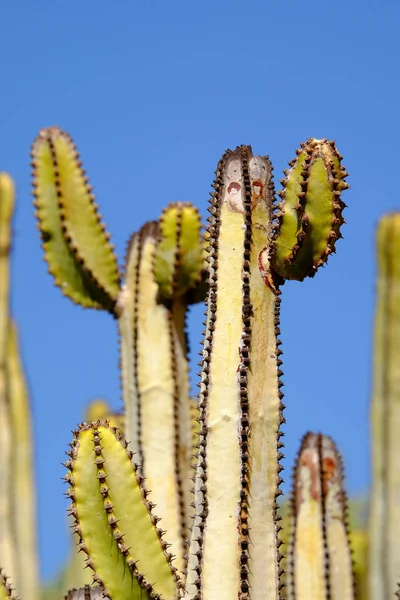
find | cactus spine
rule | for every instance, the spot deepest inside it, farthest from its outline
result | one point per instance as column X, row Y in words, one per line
column 384, row 529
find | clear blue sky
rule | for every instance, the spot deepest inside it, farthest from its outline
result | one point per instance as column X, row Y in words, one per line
column 153, row 92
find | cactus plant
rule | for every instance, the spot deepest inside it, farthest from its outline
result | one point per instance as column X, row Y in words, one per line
column 384, row 528
column 18, row 554
column 229, row 439
column 254, row 245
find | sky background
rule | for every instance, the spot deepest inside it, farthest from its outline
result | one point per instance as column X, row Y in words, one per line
column 153, row 92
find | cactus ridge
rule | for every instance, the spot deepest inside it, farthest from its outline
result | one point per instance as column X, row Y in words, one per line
column 156, row 563
column 308, row 218
column 319, row 525
column 75, row 242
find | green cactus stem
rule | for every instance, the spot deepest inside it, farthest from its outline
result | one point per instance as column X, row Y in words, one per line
column 156, row 388
column 319, row 557
column 114, row 519
column 179, row 258
column 310, row 212
column 75, row 242
column 23, row 489
column 384, row 527
column 7, row 546
column 6, row 591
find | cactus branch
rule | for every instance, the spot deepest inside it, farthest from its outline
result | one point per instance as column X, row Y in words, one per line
column 75, row 242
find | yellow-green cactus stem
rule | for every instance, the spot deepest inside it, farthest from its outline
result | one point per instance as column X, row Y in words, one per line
column 155, row 386
column 7, row 546
column 6, row 591
column 114, row 519
column 179, row 257
column 309, row 216
column 319, row 562
column 23, row 489
column 75, row 243
column 234, row 547
column 384, row 527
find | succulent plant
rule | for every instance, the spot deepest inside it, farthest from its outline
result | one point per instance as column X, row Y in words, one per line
column 178, row 497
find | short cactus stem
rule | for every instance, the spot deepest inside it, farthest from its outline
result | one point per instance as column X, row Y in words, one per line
column 237, row 478
column 384, row 526
column 319, row 564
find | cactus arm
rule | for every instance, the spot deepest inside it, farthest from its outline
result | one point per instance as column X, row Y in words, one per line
column 113, row 517
column 155, row 388
column 7, row 548
column 310, row 212
column 319, row 557
column 6, row 592
column 23, row 489
column 234, row 484
column 75, row 243
column 384, row 526
column 179, row 257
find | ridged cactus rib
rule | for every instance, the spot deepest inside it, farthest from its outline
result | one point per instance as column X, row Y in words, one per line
column 6, row 591
column 75, row 242
column 319, row 563
column 156, row 388
column 7, row 546
column 85, row 593
column 179, row 258
column 114, row 519
column 309, row 216
column 23, row 488
column 384, row 527
column 234, row 548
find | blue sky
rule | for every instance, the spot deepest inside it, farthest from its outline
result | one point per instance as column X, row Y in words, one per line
column 153, row 93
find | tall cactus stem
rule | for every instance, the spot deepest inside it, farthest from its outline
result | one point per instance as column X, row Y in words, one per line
column 384, row 527
column 155, row 386
column 7, row 547
column 237, row 479
column 23, row 489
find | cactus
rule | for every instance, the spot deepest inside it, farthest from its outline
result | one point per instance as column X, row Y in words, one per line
column 384, row 528
column 18, row 554
column 319, row 557
column 254, row 245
